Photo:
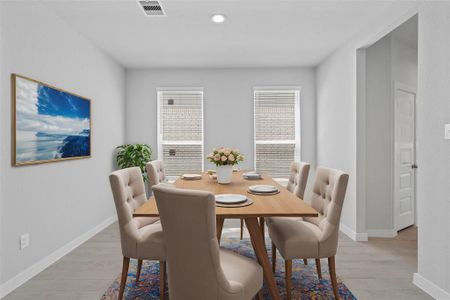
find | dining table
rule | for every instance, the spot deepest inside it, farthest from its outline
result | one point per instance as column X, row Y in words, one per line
column 282, row 204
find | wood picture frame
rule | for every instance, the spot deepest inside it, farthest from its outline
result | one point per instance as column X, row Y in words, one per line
column 49, row 124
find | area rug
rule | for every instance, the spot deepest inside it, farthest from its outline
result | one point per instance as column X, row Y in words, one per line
column 305, row 283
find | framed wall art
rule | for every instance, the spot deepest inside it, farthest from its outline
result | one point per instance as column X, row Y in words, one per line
column 48, row 123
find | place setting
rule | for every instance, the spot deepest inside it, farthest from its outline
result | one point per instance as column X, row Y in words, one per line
column 232, row 200
column 252, row 175
column 263, row 190
column 191, row 176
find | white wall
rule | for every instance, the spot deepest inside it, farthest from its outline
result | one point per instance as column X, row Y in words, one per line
column 379, row 126
column 433, row 152
column 228, row 104
column 388, row 60
column 2, row 138
column 336, row 109
column 56, row 202
column 404, row 62
column 336, row 119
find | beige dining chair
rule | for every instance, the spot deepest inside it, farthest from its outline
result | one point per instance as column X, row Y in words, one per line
column 298, row 178
column 313, row 237
column 198, row 268
column 141, row 238
column 156, row 172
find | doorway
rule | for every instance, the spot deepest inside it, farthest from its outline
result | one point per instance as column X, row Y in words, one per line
column 389, row 131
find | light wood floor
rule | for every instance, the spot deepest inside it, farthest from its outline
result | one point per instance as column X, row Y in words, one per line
column 378, row 269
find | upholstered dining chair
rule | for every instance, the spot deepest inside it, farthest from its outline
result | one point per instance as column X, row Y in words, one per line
column 313, row 237
column 198, row 268
column 141, row 238
column 298, row 178
column 156, row 172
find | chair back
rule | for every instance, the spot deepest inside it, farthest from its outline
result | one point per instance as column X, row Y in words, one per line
column 189, row 223
column 298, row 178
column 129, row 193
column 156, row 172
column 327, row 198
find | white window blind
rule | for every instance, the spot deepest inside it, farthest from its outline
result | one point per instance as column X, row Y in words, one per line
column 180, row 138
column 277, row 130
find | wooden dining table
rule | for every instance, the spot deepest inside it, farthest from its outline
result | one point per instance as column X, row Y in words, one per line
column 283, row 204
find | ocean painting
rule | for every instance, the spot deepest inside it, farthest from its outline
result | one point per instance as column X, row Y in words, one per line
column 50, row 124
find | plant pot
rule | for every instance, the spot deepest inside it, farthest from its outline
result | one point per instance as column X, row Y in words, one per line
column 224, row 174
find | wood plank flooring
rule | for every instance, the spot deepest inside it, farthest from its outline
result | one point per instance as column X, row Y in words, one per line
column 378, row 269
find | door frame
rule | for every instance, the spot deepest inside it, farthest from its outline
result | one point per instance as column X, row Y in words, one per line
column 397, row 85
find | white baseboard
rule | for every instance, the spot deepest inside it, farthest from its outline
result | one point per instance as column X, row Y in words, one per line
column 382, row 233
column 356, row 236
column 430, row 288
column 47, row 261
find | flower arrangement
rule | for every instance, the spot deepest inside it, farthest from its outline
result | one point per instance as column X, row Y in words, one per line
column 225, row 156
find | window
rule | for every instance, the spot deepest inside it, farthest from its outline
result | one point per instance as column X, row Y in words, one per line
column 277, row 130
column 180, row 130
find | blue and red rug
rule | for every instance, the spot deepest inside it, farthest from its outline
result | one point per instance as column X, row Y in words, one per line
column 305, row 283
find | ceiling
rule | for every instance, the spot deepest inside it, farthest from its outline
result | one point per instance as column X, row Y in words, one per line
column 273, row 33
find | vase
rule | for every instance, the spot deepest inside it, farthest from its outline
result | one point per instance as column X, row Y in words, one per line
column 224, row 174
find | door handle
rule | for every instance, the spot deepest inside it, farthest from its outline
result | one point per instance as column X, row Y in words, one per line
column 414, row 166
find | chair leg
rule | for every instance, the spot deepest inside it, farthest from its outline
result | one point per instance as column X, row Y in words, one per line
column 332, row 266
column 288, row 274
column 123, row 279
column 242, row 229
column 162, row 279
column 261, row 226
column 319, row 268
column 219, row 226
column 138, row 271
column 274, row 257
column 305, row 261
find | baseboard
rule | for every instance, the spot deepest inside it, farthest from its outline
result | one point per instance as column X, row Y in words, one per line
column 47, row 261
column 382, row 233
column 356, row 236
column 430, row 288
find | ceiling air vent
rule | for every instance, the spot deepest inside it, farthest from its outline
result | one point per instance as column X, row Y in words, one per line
column 152, row 8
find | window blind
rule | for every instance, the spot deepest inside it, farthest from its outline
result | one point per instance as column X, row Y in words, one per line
column 180, row 143
column 277, row 127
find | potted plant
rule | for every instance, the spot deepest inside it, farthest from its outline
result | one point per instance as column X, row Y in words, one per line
column 134, row 155
column 225, row 159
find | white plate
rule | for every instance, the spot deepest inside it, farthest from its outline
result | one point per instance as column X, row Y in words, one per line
column 263, row 188
column 230, row 198
column 251, row 176
column 191, row 176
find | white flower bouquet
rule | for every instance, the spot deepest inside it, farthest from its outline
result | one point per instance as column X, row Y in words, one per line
column 225, row 156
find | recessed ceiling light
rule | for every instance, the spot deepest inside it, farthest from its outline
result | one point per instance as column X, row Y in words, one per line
column 218, row 18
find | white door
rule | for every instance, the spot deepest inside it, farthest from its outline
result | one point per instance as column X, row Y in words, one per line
column 405, row 156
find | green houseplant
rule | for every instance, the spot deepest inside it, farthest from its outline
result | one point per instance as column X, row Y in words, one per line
column 134, row 155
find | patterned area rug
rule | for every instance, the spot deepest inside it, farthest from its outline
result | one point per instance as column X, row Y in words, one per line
column 305, row 283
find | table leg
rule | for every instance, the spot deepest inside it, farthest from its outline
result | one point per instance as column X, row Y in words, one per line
column 261, row 253
column 261, row 226
column 219, row 226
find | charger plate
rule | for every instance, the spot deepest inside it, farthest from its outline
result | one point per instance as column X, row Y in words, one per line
column 230, row 198
column 263, row 194
column 251, row 176
column 242, row 204
column 191, row 176
column 263, row 189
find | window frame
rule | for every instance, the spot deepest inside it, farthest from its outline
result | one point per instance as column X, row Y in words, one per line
column 297, row 108
column 160, row 141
